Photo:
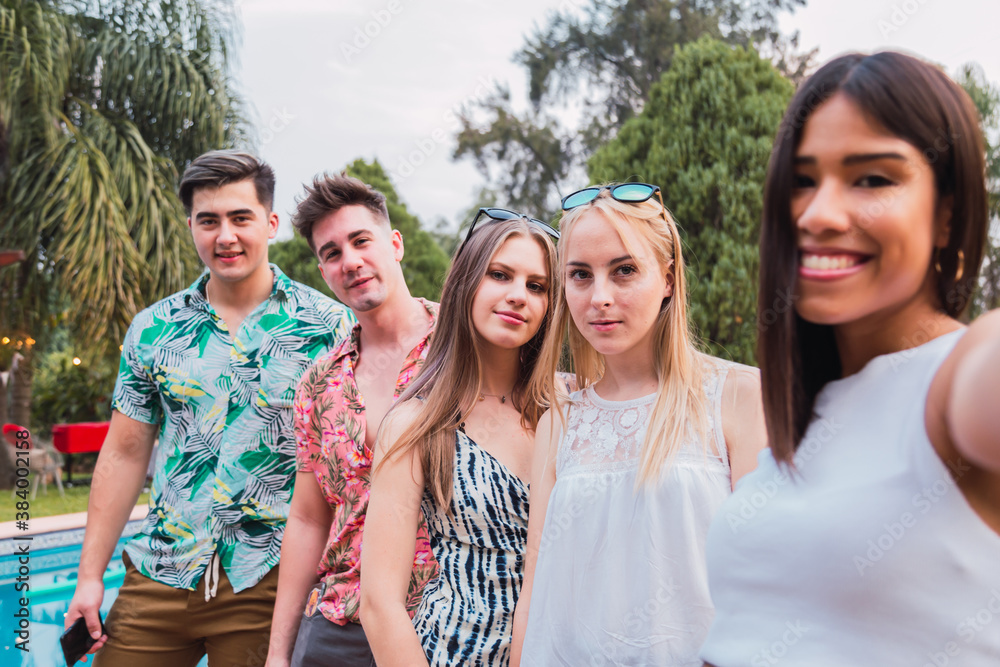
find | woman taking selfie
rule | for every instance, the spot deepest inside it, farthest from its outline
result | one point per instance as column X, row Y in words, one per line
column 458, row 445
column 878, row 542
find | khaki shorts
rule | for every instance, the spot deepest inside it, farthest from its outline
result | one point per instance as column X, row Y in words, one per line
column 155, row 625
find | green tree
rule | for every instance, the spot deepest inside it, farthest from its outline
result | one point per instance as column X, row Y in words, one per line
column 705, row 136
column 986, row 97
column 296, row 259
column 424, row 262
column 102, row 104
column 65, row 392
column 602, row 64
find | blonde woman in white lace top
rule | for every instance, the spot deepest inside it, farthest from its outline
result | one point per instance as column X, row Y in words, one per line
column 629, row 471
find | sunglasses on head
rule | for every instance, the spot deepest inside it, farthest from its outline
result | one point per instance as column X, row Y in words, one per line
column 630, row 193
column 500, row 214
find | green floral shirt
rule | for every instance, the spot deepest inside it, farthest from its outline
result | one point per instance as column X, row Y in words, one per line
column 225, row 463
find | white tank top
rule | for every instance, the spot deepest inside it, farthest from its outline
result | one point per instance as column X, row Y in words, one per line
column 620, row 578
column 870, row 555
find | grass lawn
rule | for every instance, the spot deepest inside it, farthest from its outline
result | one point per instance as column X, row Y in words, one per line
column 52, row 504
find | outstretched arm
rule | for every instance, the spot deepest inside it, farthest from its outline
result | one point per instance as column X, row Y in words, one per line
column 543, row 478
column 390, row 535
column 972, row 414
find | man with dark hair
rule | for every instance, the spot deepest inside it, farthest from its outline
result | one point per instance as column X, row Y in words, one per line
column 338, row 407
column 211, row 372
column 218, row 168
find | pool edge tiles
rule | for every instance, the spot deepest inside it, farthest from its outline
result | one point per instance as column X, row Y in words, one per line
column 58, row 523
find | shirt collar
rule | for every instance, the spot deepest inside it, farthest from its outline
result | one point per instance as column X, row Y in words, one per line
column 283, row 288
column 352, row 342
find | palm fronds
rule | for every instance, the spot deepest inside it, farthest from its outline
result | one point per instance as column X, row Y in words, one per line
column 102, row 104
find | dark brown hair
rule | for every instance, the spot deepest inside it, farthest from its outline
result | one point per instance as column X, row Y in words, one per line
column 918, row 103
column 217, row 168
column 450, row 381
column 328, row 194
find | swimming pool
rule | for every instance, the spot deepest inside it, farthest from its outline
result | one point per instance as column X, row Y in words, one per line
column 54, row 561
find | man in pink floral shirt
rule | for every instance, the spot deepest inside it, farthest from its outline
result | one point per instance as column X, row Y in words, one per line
column 338, row 406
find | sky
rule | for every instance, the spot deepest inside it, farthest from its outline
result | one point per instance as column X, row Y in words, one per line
column 328, row 82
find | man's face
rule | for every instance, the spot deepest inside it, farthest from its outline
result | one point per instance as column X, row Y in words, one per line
column 359, row 257
column 231, row 229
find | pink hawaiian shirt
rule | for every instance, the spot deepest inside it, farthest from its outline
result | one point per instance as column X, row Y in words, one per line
column 330, row 441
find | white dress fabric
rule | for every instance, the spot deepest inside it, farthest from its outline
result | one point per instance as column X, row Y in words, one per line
column 870, row 554
column 620, row 578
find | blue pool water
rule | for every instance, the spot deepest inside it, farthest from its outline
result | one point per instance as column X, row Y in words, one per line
column 54, row 558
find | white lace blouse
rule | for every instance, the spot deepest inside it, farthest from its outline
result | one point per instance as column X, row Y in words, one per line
column 620, row 578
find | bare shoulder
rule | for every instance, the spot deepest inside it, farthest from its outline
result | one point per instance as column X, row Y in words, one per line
column 548, row 432
column 742, row 403
column 742, row 383
column 404, row 414
column 397, row 421
column 742, row 415
column 544, row 428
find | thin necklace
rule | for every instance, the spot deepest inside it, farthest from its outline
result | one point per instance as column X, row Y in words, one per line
column 502, row 397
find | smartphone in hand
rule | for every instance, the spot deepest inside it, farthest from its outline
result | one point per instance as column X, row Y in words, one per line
column 76, row 641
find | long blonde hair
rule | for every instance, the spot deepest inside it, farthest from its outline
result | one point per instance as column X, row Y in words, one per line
column 680, row 402
column 451, row 378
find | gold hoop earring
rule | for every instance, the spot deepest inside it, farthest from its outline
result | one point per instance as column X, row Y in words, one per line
column 961, row 264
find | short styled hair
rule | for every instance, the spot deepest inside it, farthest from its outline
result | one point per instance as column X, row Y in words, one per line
column 217, row 168
column 330, row 193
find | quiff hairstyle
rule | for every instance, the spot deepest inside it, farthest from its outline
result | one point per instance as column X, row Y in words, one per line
column 919, row 104
column 328, row 194
column 217, row 168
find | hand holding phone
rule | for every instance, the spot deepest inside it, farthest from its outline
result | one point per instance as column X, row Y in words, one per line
column 76, row 641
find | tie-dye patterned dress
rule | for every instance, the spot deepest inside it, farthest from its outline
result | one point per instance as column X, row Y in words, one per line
column 466, row 613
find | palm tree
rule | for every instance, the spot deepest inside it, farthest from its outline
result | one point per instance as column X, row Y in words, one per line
column 102, row 104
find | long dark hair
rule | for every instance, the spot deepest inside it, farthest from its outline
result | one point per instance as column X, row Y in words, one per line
column 918, row 103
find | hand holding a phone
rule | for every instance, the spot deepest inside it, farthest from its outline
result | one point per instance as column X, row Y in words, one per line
column 86, row 604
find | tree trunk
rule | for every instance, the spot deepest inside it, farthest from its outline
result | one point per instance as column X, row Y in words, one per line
column 21, row 374
column 3, row 396
column 6, row 461
column 6, row 467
